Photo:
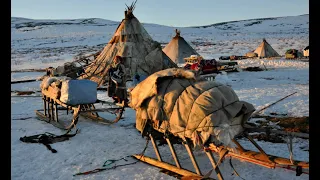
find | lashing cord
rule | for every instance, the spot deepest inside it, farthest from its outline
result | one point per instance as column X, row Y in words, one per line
column 111, row 161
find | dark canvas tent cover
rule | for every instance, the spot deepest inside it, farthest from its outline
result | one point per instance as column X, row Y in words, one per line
column 142, row 55
column 264, row 50
column 177, row 101
column 178, row 49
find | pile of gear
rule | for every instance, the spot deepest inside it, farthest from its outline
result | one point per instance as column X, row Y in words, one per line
column 70, row 91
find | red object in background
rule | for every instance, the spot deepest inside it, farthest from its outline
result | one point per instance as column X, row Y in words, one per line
column 205, row 66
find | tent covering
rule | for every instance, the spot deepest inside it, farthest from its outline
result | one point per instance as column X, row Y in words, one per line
column 178, row 48
column 264, row 50
column 177, row 101
column 142, row 55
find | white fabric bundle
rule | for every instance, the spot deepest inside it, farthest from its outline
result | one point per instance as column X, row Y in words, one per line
column 47, row 81
column 74, row 92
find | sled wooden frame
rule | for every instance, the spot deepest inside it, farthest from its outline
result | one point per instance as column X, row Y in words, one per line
column 50, row 110
column 259, row 157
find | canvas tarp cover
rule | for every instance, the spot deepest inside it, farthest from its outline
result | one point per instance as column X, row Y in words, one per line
column 175, row 100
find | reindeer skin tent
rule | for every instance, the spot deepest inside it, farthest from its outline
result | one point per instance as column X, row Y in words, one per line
column 142, row 55
column 264, row 50
column 178, row 48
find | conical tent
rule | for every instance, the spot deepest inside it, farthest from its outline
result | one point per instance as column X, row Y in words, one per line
column 178, row 48
column 141, row 54
column 264, row 50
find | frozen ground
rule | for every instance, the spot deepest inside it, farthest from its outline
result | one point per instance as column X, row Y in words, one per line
column 38, row 45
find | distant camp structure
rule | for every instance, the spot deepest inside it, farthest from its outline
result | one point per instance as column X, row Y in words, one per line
column 306, row 51
column 141, row 54
column 264, row 50
column 293, row 54
column 178, row 49
column 251, row 54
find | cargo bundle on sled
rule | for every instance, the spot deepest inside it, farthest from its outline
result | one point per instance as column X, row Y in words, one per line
column 176, row 105
column 63, row 94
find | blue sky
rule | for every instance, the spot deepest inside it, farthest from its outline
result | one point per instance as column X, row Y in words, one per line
column 180, row 13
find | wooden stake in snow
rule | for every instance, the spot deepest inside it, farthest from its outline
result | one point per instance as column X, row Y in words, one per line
column 256, row 112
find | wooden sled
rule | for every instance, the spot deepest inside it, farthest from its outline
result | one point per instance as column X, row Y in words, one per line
column 256, row 157
column 52, row 106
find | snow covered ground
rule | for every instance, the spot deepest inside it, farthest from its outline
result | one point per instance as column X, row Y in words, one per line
column 97, row 143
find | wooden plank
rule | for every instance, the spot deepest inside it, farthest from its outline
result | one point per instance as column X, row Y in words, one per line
column 166, row 166
column 94, row 118
column 42, row 117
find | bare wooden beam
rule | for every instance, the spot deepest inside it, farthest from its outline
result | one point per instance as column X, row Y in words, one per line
column 56, row 111
column 193, row 160
column 44, row 105
column 166, row 166
column 214, row 164
column 173, row 152
column 239, row 145
column 257, row 146
column 155, row 147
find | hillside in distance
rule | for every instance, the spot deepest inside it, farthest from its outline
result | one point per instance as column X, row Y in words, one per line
column 51, row 42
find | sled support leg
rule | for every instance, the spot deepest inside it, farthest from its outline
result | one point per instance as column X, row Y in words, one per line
column 194, row 162
column 48, row 108
column 155, row 147
column 214, row 164
column 258, row 147
column 56, row 111
column 241, row 149
column 45, row 105
column 173, row 152
column 52, row 110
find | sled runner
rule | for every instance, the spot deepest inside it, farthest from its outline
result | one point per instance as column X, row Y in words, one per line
column 259, row 157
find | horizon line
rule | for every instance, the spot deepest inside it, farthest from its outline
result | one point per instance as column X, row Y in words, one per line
column 166, row 25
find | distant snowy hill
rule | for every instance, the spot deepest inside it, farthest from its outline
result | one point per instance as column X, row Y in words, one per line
column 48, row 41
